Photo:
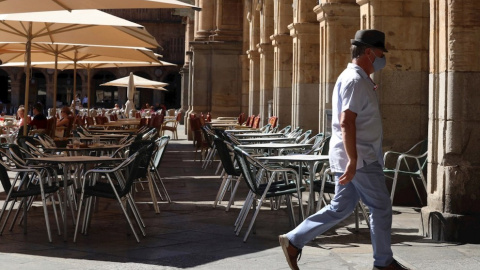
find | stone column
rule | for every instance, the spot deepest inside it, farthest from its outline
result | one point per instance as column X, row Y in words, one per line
column 184, row 71
column 403, row 83
column 215, row 73
column 339, row 20
column 282, row 71
column 253, row 55
column 265, row 49
column 15, row 94
column 244, row 58
column 453, row 211
column 304, row 31
column 228, row 20
column 204, row 20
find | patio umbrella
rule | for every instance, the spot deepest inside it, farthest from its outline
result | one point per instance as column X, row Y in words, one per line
column 132, row 82
column 14, row 6
column 79, row 26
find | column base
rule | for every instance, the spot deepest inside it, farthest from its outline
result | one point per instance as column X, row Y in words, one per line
column 450, row 227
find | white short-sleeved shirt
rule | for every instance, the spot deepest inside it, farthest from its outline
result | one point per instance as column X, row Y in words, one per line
column 355, row 91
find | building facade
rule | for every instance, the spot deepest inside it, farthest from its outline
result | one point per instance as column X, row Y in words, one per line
column 282, row 58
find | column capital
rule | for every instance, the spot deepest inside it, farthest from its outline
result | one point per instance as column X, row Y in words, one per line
column 253, row 54
column 330, row 11
column 297, row 29
column 281, row 39
column 264, row 47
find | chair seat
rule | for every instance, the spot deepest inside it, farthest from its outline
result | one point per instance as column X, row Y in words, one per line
column 392, row 172
column 101, row 189
column 33, row 190
column 279, row 188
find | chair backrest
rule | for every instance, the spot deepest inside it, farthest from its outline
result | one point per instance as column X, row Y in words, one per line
column 209, row 117
column 143, row 122
column 252, row 170
column 266, row 128
column 89, row 121
column 178, row 117
column 325, row 146
column 4, row 179
column 232, row 139
column 273, row 121
column 208, row 134
column 51, row 126
column 225, row 157
column 157, row 121
column 18, row 156
column 249, row 122
column 241, row 118
column 161, row 145
column 303, row 137
column 256, row 122
column 147, row 155
column 132, row 163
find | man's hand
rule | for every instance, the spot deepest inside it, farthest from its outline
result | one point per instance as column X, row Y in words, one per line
column 346, row 177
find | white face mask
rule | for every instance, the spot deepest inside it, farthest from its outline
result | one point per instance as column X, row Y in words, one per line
column 378, row 63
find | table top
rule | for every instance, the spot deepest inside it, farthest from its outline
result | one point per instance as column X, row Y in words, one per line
column 266, row 140
column 258, row 134
column 113, row 131
column 274, row 146
column 223, row 124
column 75, row 159
column 104, row 136
column 91, row 147
column 243, row 130
column 297, row 157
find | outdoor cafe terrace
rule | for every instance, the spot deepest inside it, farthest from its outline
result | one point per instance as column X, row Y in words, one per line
column 190, row 233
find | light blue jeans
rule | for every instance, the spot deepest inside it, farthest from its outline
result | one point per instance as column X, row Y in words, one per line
column 369, row 185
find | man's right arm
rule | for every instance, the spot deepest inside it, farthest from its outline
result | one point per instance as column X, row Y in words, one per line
column 349, row 137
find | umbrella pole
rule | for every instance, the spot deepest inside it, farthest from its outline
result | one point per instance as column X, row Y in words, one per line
column 55, row 83
column 74, row 85
column 89, row 80
column 28, row 49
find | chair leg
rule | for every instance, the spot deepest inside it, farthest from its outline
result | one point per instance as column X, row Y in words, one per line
column 232, row 195
column 218, row 198
column 159, row 179
column 152, row 194
column 244, row 213
column 416, row 190
column 47, row 221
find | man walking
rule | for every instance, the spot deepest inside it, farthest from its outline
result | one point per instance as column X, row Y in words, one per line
column 355, row 155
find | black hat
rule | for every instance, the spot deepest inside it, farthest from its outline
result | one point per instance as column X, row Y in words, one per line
column 370, row 37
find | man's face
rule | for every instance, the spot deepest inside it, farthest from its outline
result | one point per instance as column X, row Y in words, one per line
column 35, row 111
column 374, row 52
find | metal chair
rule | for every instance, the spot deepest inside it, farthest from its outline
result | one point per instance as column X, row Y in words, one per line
column 411, row 163
column 27, row 184
column 254, row 173
column 230, row 173
column 118, row 186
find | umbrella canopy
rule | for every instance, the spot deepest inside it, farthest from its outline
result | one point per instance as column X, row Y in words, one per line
column 46, row 52
column 92, row 27
column 138, row 82
column 14, row 6
column 15, row 52
column 79, row 26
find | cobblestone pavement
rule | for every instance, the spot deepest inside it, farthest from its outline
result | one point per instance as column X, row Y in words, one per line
column 190, row 234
